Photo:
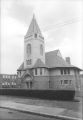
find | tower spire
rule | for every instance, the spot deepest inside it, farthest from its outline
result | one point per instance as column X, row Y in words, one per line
column 33, row 28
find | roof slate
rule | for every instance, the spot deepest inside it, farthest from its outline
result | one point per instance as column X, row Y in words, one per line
column 39, row 63
column 52, row 60
column 21, row 66
column 33, row 28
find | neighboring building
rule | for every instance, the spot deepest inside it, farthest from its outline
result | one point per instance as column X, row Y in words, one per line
column 9, row 81
column 45, row 70
column 81, row 77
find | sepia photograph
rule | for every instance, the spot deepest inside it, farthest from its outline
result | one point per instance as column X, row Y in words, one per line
column 41, row 61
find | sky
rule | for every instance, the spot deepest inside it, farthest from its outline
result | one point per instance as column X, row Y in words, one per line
column 60, row 22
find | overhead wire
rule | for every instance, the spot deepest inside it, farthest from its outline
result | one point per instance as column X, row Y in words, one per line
column 62, row 24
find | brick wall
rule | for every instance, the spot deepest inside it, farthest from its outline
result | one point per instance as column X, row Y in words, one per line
column 55, row 82
column 41, row 82
column 52, row 82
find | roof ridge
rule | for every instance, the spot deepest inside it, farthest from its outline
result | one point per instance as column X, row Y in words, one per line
column 52, row 51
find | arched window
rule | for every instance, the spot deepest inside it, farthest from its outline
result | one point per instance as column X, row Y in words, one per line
column 35, row 35
column 41, row 49
column 28, row 49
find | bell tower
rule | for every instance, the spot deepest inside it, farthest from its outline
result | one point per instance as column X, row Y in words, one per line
column 34, row 47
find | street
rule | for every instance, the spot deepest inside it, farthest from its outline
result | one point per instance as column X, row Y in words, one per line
column 72, row 107
column 7, row 114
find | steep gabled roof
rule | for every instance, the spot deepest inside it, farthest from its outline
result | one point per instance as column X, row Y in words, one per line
column 33, row 28
column 21, row 67
column 39, row 63
column 53, row 59
column 25, row 74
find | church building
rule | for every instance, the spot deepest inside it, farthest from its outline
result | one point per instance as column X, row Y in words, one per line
column 42, row 70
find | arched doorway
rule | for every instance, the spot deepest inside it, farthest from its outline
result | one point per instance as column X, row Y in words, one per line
column 28, row 81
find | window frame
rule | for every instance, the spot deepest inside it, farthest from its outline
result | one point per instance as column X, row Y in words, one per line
column 66, row 82
column 41, row 71
column 70, row 82
column 35, row 71
column 61, row 81
column 41, row 49
column 35, row 35
column 29, row 62
column 68, row 71
column 65, row 71
column 61, row 71
column 3, row 76
column 31, row 84
column 28, row 49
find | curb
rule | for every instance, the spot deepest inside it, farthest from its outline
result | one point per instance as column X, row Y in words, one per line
column 68, row 118
column 45, row 115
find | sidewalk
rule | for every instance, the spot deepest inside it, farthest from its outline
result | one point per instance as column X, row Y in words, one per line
column 42, row 110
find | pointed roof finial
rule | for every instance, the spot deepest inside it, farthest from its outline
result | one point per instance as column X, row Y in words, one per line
column 33, row 15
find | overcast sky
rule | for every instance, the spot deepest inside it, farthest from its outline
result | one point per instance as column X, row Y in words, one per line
column 59, row 21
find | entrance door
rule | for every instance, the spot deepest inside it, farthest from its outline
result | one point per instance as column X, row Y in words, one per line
column 29, row 84
column 28, row 81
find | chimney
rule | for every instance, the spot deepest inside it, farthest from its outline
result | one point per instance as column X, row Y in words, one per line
column 68, row 60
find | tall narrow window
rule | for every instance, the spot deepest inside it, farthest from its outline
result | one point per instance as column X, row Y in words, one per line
column 27, row 84
column 35, row 71
column 40, row 71
column 30, row 84
column 28, row 49
column 61, row 72
column 50, row 84
column 41, row 49
column 64, row 71
column 70, row 81
column 3, row 76
column 19, row 73
column 35, row 35
column 61, row 82
column 68, row 71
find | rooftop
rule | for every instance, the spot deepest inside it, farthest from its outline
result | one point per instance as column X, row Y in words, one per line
column 33, row 28
column 53, row 59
